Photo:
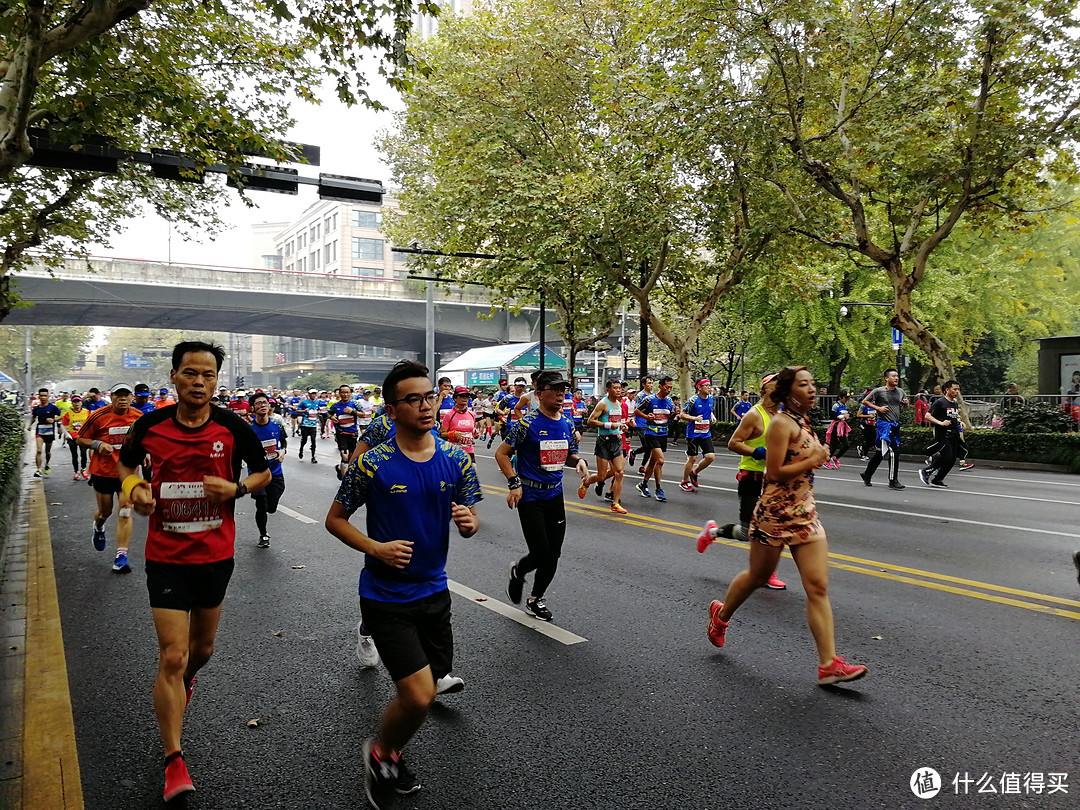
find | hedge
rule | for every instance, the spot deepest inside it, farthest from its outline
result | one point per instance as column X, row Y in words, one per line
column 12, row 435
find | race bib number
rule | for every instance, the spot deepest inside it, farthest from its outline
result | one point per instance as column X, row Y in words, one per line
column 615, row 420
column 271, row 449
column 184, row 508
column 45, row 430
column 322, row 409
column 701, row 429
column 117, row 434
column 660, row 417
column 553, row 453
column 346, row 420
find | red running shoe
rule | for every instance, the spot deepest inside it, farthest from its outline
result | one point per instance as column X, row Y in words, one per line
column 776, row 583
column 189, row 688
column 717, row 627
column 708, row 532
column 694, row 480
column 839, row 670
column 177, row 778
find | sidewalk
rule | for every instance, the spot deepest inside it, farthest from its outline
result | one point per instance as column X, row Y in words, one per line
column 38, row 768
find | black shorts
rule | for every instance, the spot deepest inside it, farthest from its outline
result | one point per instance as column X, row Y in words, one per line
column 700, row 446
column 46, row 438
column 105, row 485
column 175, row 586
column 272, row 493
column 489, row 416
column 650, row 442
column 608, row 448
column 412, row 635
column 346, row 442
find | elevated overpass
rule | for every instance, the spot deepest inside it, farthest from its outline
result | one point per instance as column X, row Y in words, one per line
column 351, row 309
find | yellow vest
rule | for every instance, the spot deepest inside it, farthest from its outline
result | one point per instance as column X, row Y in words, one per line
column 747, row 462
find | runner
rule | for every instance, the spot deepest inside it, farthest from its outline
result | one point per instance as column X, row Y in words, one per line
column 786, row 515
column 446, row 401
column 868, row 422
column 748, row 441
column 507, row 409
column 343, row 415
column 944, row 415
column 459, row 426
column 73, row 421
column 142, row 401
column 487, row 416
column 92, row 401
column 197, row 451
column 699, row 442
column 607, row 417
column 163, row 399
column 887, row 400
column 544, row 441
column 309, row 422
column 414, row 486
column 104, row 433
column 740, row 408
column 239, row 404
column 324, row 414
column 839, row 429
column 655, row 409
column 640, row 423
column 377, row 399
column 578, row 409
column 365, row 411
column 271, row 435
column 43, row 418
column 293, row 403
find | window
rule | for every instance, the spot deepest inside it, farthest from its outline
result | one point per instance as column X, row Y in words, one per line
column 366, row 219
column 313, row 261
column 300, row 265
column 333, row 251
column 290, row 248
column 400, row 274
column 300, row 242
column 313, row 235
column 272, row 261
column 290, row 267
column 369, row 272
column 326, row 254
column 326, row 225
column 370, row 249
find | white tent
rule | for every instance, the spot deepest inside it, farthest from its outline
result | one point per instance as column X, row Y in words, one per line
column 484, row 365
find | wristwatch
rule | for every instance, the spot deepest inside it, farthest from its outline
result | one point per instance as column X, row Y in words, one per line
column 514, row 482
column 241, row 491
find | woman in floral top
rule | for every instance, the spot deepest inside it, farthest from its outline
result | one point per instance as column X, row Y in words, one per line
column 787, row 515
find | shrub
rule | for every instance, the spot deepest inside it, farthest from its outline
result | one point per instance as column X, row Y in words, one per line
column 12, row 435
column 1037, row 416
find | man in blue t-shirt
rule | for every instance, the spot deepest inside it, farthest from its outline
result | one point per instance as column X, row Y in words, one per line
column 639, row 422
column 742, row 406
column 699, row 414
column 343, row 415
column 656, row 410
column 414, row 485
column 272, row 437
column 44, row 417
column 309, row 422
column 544, row 441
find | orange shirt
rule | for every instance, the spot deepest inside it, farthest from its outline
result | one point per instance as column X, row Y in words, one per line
column 164, row 403
column 73, row 420
column 111, row 428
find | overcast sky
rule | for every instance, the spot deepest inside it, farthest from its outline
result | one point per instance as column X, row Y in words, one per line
column 347, row 138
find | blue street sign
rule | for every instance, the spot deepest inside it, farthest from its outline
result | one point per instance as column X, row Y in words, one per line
column 897, row 338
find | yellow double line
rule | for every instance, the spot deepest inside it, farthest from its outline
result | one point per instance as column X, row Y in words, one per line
column 1003, row 595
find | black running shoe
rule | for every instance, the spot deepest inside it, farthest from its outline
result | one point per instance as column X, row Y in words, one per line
column 895, row 485
column 609, row 496
column 633, row 455
column 537, row 608
column 313, row 459
column 865, row 479
column 406, row 781
column 599, row 489
column 264, row 541
column 515, row 586
column 1076, row 562
column 380, row 779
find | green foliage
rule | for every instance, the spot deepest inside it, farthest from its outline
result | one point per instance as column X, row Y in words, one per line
column 322, row 381
column 1038, row 416
column 12, row 436
column 54, row 351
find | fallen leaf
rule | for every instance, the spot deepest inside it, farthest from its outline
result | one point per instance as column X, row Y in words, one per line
column 253, row 723
column 278, row 633
column 56, row 503
column 481, row 599
column 878, row 638
column 298, row 567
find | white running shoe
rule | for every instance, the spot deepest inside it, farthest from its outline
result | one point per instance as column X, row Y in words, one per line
column 448, row 684
column 365, row 650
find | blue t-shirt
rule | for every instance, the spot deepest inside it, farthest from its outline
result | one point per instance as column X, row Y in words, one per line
column 271, row 438
column 445, row 407
column 568, row 406
column 408, row 500
column 383, row 428
column 322, row 403
column 309, row 419
column 345, row 422
column 639, row 422
column 93, row 406
column 661, row 408
column 703, row 407
column 839, row 409
column 543, row 445
column 43, row 412
column 147, row 407
column 741, row 408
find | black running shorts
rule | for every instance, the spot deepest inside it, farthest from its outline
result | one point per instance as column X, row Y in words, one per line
column 700, row 446
column 105, row 485
column 412, row 635
column 608, row 447
column 186, row 587
column 272, row 492
column 346, row 442
column 651, row 442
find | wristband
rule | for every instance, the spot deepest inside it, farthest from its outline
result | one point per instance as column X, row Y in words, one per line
column 131, row 483
column 241, row 491
column 513, row 483
column 759, row 453
column 95, row 444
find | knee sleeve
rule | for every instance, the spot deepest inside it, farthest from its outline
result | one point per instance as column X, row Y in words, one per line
column 124, row 512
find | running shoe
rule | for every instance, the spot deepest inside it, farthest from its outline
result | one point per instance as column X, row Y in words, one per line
column 515, row 586
column 539, row 609
column 660, row 496
column 489, row 442
column 924, row 476
column 641, row 469
column 366, row 653
column 599, row 489
column 46, row 469
column 865, row 479
column 717, row 627
column 406, row 781
column 895, row 484
column 839, row 670
column 379, row 778
column 706, row 536
column 582, row 491
column 617, row 509
column 633, row 455
column 37, row 473
column 686, row 486
column 727, row 531
column 337, row 471
column 189, row 691
column 939, row 484
column 264, row 541
column 609, row 496
column 643, row 490
column 1076, row 562
column 75, row 477
column 99, row 538
column 963, row 465
column 449, row 684
column 776, row 583
column 177, row 778
column 694, row 480
column 120, row 564
column 313, row 459
column 836, row 464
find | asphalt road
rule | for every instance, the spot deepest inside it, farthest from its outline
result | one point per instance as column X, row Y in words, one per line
column 963, row 603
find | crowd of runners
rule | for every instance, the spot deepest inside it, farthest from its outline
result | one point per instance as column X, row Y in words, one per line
column 406, row 452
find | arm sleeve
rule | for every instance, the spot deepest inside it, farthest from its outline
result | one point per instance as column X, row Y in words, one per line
column 283, row 441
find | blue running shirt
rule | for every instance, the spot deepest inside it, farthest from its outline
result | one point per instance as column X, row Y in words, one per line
column 661, row 408
column 542, row 446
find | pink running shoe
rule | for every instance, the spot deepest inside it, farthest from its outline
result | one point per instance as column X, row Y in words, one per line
column 177, row 778
column 717, row 627
column 189, row 689
column 708, row 532
column 839, row 670
column 776, row 583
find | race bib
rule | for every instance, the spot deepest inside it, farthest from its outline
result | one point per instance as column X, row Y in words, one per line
column 702, row 428
column 553, row 453
column 117, row 434
column 322, row 409
column 271, row 449
column 45, row 430
column 660, row 417
column 346, row 420
column 184, row 508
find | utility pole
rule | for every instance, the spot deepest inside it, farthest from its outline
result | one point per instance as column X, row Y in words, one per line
column 643, row 352
column 429, row 329
column 28, row 369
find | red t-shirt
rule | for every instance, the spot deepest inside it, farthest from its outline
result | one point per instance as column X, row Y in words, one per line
column 185, row 527
column 464, row 424
column 112, row 428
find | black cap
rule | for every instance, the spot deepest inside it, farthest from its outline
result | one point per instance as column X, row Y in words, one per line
column 551, row 379
column 142, row 389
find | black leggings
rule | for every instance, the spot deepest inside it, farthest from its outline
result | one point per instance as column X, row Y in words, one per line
column 544, row 525
column 305, row 434
column 77, row 450
column 749, row 494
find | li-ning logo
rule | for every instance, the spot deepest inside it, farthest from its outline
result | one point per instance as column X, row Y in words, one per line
column 399, row 489
column 217, row 448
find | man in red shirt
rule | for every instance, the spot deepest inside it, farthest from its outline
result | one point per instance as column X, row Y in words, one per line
column 197, row 452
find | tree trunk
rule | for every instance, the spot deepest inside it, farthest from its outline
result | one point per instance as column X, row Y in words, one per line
column 682, row 370
column 836, row 372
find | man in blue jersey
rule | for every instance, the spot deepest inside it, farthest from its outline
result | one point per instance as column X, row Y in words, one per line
column 272, row 438
column 343, row 415
column 544, row 441
column 142, row 401
column 309, row 422
column 446, row 399
column 414, row 485
column 639, row 423
column 656, row 409
column 699, row 414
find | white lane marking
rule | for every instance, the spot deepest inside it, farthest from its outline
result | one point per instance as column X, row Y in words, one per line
column 293, row 514
column 516, row 614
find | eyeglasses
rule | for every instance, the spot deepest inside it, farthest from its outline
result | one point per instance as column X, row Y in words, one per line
column 414, row 400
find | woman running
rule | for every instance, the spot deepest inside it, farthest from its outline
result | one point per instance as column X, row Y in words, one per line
column 786, row 515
